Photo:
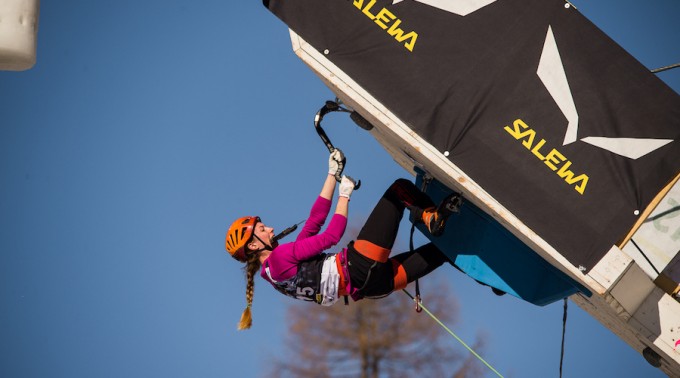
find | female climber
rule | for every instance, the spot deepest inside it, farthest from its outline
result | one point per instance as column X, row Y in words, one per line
column 363, row 269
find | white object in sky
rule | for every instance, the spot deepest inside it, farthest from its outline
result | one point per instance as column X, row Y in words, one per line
column 18, row 34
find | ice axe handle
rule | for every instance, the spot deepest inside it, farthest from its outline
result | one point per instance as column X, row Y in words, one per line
column 338, row 176
column 329, row 107
column 324, row 138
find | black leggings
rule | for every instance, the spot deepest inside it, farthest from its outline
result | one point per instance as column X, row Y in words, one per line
column 370, row 268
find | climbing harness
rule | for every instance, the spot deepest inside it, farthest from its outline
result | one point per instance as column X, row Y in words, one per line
column 334, row 106
column 352, row 291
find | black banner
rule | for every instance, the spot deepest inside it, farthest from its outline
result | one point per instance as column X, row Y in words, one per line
column 530, row 99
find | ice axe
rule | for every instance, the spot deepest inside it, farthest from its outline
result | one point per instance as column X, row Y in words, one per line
column 333, row 106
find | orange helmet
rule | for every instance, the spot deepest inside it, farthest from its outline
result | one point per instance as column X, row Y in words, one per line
column 239, row 234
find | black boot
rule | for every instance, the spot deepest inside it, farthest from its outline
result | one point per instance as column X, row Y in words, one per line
column 435, row 218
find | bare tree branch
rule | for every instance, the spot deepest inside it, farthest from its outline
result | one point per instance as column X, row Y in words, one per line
column 375, row 338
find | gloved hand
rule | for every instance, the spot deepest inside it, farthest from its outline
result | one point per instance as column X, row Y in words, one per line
column 336, row 162
column 346, row 186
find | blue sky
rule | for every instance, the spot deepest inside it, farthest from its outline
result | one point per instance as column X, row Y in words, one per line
column 145, row 128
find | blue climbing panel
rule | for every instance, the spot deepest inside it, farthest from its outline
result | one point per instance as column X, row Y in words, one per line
column 480, row 247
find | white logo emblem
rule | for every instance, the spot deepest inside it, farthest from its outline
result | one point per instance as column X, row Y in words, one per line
column 460, row 7
column 551, row 72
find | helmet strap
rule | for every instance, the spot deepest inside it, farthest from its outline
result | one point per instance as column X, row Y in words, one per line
column 266, row 247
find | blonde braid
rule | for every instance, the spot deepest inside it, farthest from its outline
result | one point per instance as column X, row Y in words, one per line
column 251, row 268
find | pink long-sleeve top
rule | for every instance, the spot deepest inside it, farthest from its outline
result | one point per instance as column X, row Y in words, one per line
column 284, row 259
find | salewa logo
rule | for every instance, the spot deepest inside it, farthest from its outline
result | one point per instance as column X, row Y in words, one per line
column 554, row 159
column 386, row 20
column 552, row 75
column 551, row 72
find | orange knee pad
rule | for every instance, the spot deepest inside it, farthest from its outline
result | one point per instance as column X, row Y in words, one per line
column 372, row 251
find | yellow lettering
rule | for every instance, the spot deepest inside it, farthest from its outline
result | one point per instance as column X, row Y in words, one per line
column 516, row 132
column 569, row 178
column 398, row 34
column 536, row 150
column 409, row 45
column 527, row 143
column 554, row 157
column 584, row 181
column 519, row 134
column 522, row 131
column 394, row 30
column 384, row 16
column 367, row 10
column 564, row 172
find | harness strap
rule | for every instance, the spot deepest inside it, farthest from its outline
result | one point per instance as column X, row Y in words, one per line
column 342, row 284
column 353, row 292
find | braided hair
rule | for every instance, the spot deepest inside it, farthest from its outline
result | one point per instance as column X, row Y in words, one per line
column 251, row 268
